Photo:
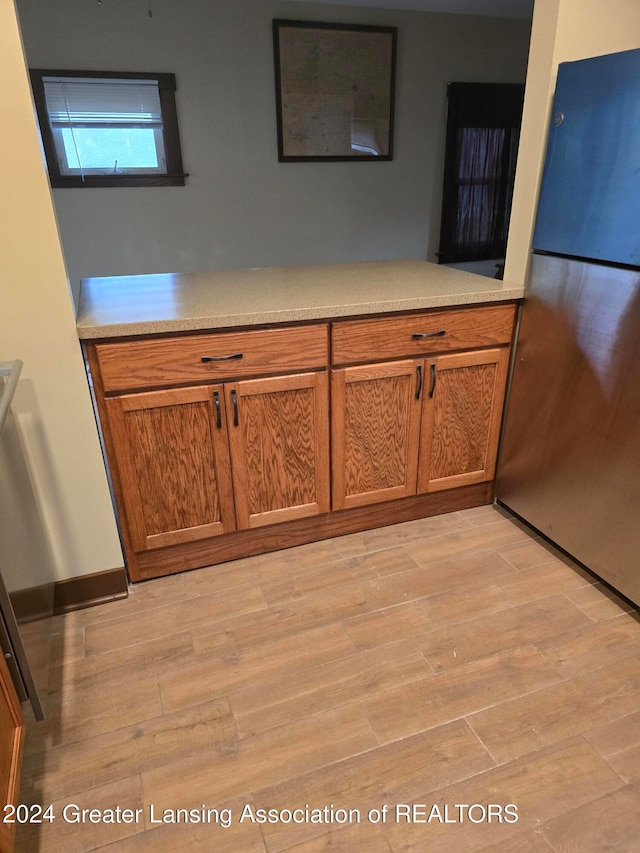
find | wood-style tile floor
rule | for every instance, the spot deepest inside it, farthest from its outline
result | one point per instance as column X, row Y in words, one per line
column 447, row 662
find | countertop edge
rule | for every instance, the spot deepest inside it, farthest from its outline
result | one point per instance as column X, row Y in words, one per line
column 88, row 331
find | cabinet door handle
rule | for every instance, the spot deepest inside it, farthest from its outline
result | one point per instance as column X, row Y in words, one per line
column 432, row 388
column 234, row 403
column 216, row 400
column 235, row 355
column 419, row 388
column 417, row 336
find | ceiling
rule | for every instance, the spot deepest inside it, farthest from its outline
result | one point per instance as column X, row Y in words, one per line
column 493, row 8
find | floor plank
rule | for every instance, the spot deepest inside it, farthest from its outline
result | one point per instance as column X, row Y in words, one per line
column 619, row 744
column 235, row 667
column 590, row 647
column 394, row 773
column 259, row 760
column 214, row 835
column 401, row 621
column 531, row 584
column 158, row 622
column 453, row 645
column 518, row 726
column 543, row 786
column 72, row 768
column 73, row 832
column 458, row 692
column 303, row 692
column 610, row 823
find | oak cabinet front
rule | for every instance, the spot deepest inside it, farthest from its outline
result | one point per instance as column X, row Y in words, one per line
column 205, row 461
column 192, row 464
column 279, row 438
column 414, row 427
column 418, row 425
column 375, row 432
column 12, row 732
column 461, row 419
column 219, row 443
column 172, row 455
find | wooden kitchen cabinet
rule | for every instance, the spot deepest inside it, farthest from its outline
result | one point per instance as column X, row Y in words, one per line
column 418, row 426
column 376, row 432
column 414, row 427
column 461, row 419
column 12, row 732
column 193, row 464
column 219, row 445
column 172, row 457
column 205, row 461
column 279, row 437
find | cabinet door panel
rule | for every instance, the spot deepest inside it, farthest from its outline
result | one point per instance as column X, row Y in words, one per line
column 461, row 420
column 375, row 429
column 279, row 439
column 173, row 462
column 12, row 732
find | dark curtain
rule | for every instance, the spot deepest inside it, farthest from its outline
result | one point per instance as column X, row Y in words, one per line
column 483, row 127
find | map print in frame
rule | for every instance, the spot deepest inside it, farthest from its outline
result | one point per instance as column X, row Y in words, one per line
column 334, row 90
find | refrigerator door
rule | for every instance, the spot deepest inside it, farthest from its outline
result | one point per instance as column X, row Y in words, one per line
column 589, row 204
column 570, row 462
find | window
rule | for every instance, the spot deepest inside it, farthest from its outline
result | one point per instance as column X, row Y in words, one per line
column 107, row 129
column 483, row 129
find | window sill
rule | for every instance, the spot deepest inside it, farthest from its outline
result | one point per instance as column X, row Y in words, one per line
column 74, row 182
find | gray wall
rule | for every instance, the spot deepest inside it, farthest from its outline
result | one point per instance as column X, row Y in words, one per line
column 240, row 207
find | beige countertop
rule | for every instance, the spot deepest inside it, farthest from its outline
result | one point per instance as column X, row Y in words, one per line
column 119, row 306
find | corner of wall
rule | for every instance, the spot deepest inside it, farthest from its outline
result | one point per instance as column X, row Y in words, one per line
column 539, row 87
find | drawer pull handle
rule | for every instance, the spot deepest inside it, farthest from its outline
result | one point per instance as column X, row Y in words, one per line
column 417, row 336
column 234, row 403
column 419, row 388
column 433, row 381
column 235, row 355
column 216, row 400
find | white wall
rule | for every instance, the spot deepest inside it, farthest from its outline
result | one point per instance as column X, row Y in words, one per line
column 37, row 324
column 240, row 206
column 562, row 31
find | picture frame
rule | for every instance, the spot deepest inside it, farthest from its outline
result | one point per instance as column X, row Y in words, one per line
column 335, row 90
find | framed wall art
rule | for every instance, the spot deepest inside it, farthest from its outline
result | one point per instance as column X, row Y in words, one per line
column 335, row 86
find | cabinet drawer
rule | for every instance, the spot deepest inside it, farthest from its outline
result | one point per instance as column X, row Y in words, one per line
column 415, row 334
column 211, row 356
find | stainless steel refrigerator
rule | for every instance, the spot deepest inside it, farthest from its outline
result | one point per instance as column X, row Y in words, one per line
column 570, row 460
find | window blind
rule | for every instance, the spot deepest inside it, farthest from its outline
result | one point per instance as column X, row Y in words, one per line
column 107, row 102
